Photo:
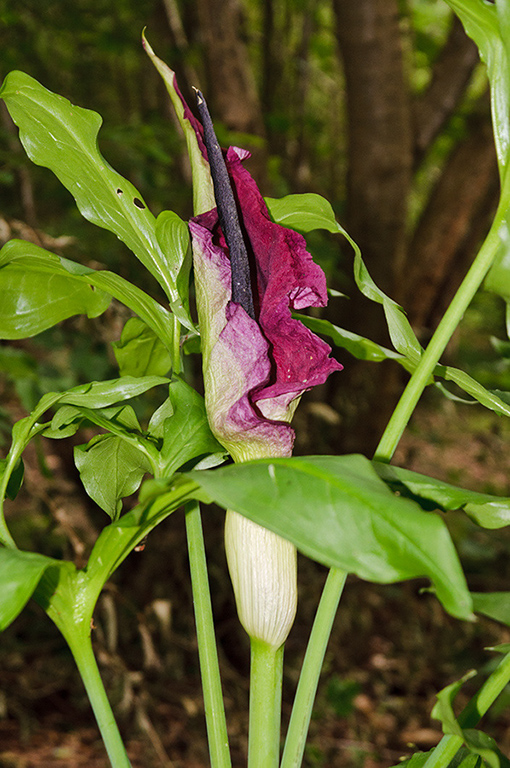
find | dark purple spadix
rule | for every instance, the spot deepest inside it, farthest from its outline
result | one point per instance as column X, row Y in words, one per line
column 227, row 214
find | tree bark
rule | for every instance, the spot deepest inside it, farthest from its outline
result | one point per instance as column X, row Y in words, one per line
column 379, row 132
column 379, row 174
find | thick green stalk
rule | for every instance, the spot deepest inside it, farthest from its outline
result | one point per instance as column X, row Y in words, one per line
column 450, row 744
column 310, row 673
column 440, row 339
column 266, row 674
column 208, row 655
column 81, row 647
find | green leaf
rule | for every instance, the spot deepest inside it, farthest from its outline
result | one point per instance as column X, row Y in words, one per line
column 21, row 256
column 69, row 595
column 495, row 605
column 469, row 761
column 490, row 399
column 158, row 499
column 463, row 759
column 93, row 396
column 484, row 509
column 336, row 510
column 498, row 278
column 365, row 349
column 443, row 708
column 140, row 352
column 485, row 747
column 63, row 137
column 32, row 302
column 415, row 761
column 15, row 478
column 186, row 432
column 110, row 469
column 358, row 346
column 156, row 426
column 311, row 211
column 500, row 648
column 480, row 20
column 65, row 423
column 304, row 212
column 20, row 572
column 173, row 237
column 101, row 394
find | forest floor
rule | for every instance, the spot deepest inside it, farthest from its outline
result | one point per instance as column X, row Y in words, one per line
column 392, row 647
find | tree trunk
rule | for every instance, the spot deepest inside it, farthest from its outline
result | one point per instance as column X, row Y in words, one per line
column 379, row 132
column 378, row 184
column 386, row 142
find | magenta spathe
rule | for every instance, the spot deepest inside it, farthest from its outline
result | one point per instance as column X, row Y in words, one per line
column 256, row 370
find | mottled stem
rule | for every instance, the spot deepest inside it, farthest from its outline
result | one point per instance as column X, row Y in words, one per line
column 227, row 214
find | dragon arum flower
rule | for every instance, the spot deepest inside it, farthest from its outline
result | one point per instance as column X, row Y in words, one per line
column 250, row 273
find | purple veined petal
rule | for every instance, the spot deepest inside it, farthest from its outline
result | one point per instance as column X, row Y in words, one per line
column 287, row 279
column 255, row 371
column 236, row 355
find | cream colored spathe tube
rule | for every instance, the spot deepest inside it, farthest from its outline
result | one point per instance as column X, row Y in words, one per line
column 263, row 569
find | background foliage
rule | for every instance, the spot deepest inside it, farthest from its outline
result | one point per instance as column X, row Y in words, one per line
column 382, row 107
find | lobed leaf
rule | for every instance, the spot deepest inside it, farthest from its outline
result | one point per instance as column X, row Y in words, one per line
column 415, row 761
column 358, row 346
column 310, row 211
column 101, row 394
column 484, row 509
column 59, row 276
column 158, row 499
column 304, row 212
column 32, row 302
column 443, row 708
column 63, row 137
column 94, row 395
column 337, row 510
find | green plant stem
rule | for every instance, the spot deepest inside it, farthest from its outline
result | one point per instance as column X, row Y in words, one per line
column 450, row 744
column 266, row 672
column 176, row 351
column 81, row 648
column 310, row 673
column 452, row 317
column 208, row 655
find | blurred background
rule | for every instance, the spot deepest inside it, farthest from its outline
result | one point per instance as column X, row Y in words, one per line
column 381, row 106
